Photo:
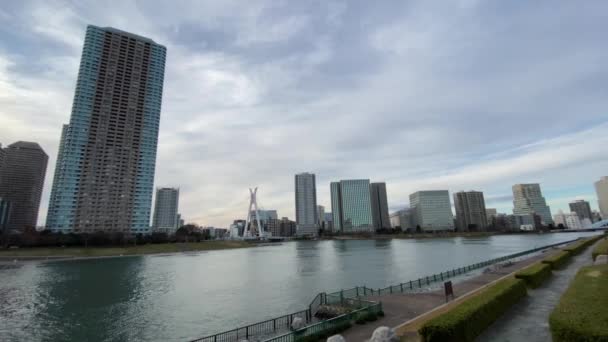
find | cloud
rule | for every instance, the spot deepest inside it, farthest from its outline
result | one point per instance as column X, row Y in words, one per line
column 422, row 95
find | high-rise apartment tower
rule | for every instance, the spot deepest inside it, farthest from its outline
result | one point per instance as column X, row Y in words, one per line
column 105, row 167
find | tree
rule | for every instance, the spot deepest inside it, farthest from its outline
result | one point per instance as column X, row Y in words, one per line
column 418, row 229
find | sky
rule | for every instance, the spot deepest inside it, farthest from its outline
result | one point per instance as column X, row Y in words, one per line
column 422, row 95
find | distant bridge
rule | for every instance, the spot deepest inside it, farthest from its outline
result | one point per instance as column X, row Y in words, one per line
column 596, row 227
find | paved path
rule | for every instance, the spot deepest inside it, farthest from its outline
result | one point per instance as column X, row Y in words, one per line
column 399, row 308
column 528, row 320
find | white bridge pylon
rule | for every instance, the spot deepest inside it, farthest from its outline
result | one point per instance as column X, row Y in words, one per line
column 253, row 202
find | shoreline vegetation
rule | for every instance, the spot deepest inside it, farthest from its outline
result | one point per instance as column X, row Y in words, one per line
column 41, row 253
column 71, row 252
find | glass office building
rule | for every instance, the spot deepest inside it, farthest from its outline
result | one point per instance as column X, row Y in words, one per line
column 105, row 168
column 351, row 206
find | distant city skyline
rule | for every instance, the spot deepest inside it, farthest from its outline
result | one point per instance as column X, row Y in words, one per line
column 256, row 92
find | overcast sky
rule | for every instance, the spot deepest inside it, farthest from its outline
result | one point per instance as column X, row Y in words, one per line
column 423, row 95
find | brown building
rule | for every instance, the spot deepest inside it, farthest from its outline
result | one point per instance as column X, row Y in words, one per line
column 22, row 174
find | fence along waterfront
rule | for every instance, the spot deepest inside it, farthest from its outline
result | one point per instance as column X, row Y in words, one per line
column 350, row 297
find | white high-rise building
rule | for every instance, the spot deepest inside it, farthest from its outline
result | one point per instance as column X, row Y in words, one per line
column 166, row 217
column 569, row 220
column 306, row 204
column 601, row 188
column 528, row 199
column 431, row 210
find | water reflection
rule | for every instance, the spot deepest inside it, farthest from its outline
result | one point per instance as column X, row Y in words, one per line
column 181, row 297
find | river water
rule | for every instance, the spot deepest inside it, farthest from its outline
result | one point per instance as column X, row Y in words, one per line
column 184, row 296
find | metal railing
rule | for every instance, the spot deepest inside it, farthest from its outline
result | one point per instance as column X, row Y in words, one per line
column 327, row 324
column 424, row 282
column 266, row 327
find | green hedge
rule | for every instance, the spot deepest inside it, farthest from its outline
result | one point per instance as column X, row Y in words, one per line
column 322, row 335
column 470, row 318
column 582, row 312
column 580, row 246
column 534, row 275
column 558, row 260
column 601, row 248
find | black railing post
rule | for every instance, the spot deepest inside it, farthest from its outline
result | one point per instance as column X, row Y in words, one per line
column 357, row 291
column 401, row 285
column 247, row 332
column 411, row 285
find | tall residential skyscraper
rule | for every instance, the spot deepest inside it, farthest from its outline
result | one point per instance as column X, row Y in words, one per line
column 582, row 209
column 379, row 203
column 470, row 210
column 601, row 188
column 21, row 181
column 306, row 204
column 105, row 167
column 351, row 206
column 528, row 199
column 166, row 217
column 431, row 210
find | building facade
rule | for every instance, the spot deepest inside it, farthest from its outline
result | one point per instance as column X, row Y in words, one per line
column 582, row 209
column 401, row 219
column 105, row 167
column 528, row 199
column 329, row 222
column 22, row 175
column 166, row 218
column 470, row 211
column 5, row 212
column 491, row 213
column 306, row 204
column 320, row 216
column 569, row 220
column 431, row 210
column 379, row 203
column 601, row 189
column 351, row 206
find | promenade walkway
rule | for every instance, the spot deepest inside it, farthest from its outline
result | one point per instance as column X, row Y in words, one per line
column 528, row 320
column 400, row 308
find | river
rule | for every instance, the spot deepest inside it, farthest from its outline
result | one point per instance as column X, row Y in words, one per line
column 184, row 296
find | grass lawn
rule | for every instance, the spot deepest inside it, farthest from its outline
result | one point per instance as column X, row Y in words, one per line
column 129, row 250
column 582, row 313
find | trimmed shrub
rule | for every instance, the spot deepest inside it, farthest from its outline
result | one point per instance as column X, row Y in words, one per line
column 601, row 248
column 364, row 317
column 576, row 247
column 579, row 246
column 558, row 260
column 534, row 275
column 322, row 335
column 582, row 312
column 470, row 318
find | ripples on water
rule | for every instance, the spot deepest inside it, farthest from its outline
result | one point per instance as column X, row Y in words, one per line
column 174, row 298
